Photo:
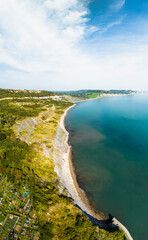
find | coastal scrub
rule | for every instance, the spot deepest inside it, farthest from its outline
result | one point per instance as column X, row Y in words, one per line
column 27, row 133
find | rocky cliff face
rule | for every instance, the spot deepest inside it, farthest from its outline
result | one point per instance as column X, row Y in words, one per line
column 25, row 128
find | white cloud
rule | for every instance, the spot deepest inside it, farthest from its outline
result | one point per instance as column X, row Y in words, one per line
column 42, row 41
column 39, row 35
column 60, row 5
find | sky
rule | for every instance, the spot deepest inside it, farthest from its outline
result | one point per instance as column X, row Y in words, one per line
column 74, row 44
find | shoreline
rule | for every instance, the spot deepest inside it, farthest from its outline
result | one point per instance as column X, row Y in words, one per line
column 81, row 194
column 67, row 174
column 64, row 168
column 104, row 95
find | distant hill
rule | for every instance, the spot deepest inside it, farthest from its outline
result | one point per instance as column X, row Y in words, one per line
column 93, row 93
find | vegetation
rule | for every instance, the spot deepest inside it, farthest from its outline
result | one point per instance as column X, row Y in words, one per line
column 26, row 125
column 93, row 93
column 7, row 93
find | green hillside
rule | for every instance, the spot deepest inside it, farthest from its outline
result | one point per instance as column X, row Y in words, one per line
column 32, row 205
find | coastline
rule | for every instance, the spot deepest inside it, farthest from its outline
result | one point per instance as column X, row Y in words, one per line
column 65, row 171
column 64, row 168
column 104, row 96
column 81, row 194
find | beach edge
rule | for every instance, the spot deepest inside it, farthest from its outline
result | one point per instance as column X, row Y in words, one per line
column 68, row 179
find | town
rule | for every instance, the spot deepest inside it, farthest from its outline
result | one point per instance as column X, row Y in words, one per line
column 17, row 217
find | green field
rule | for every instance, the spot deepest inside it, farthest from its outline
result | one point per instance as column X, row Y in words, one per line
column 87, row 94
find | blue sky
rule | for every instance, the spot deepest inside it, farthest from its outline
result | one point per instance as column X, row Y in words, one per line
column 130, row 15
column 74, row 44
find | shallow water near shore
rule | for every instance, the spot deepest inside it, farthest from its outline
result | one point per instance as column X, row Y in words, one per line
column 109, row 139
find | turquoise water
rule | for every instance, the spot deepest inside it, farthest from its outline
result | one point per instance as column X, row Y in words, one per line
column 109, row 139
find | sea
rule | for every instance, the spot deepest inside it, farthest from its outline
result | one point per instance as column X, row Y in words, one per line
column 109, row 139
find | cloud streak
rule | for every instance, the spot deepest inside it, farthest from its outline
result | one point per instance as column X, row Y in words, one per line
column 117, row 5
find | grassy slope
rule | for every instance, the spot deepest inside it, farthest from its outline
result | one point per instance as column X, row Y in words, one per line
column 56, row 216
column 8, row 93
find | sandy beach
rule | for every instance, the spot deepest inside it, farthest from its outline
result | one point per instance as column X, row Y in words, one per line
column 65, row 171
column 64, row 167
